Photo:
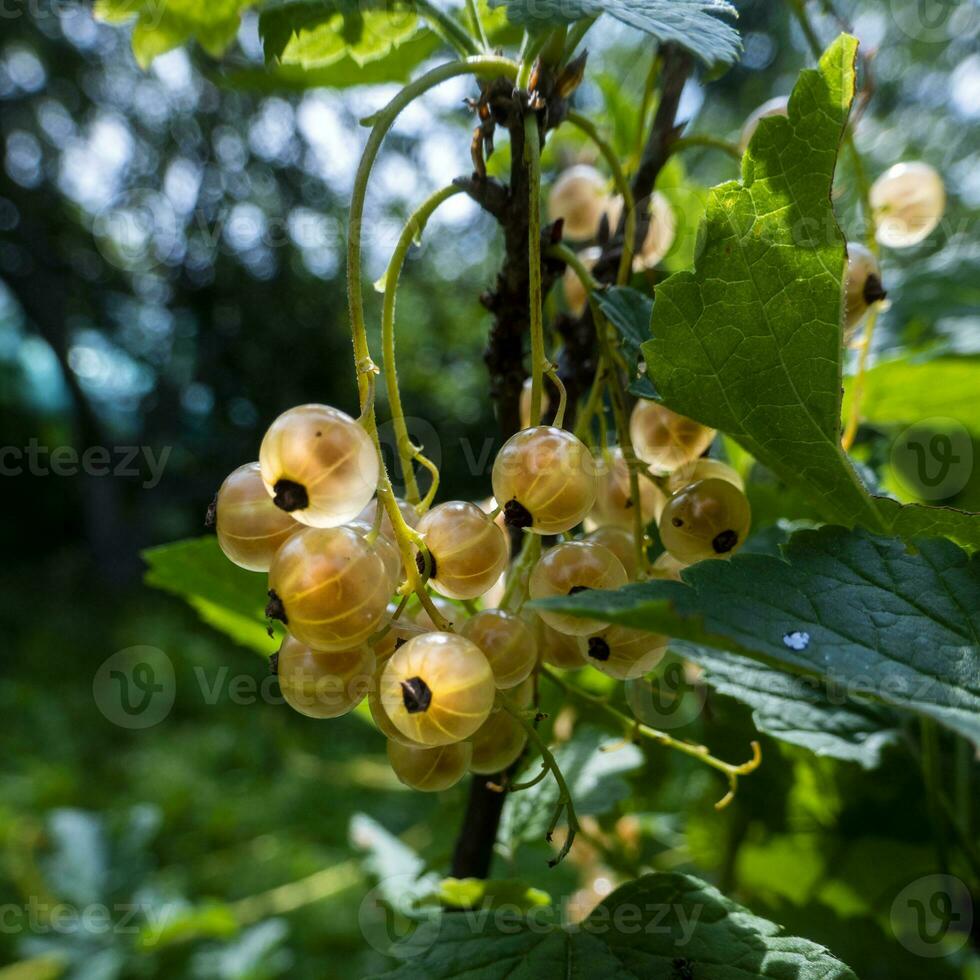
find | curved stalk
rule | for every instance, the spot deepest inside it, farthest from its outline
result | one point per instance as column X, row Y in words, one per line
column 411, row 233
column 631, row 728
column 382, row 122
column 622, row 185
column 478, row 23
column 532, row 150
column 565, row 803
column 445, row 25
column 706, row 142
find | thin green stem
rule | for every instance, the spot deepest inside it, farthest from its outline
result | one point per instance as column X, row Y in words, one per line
column 382, row 122
column 632, row 728
column 622, row 185
column 700, row 140
column 576, row 35
column 529, row 55
column 516, row 589
column 448, row 27
column 532, row 156
column 565, row 802
column 478, row 23
column 410, row 233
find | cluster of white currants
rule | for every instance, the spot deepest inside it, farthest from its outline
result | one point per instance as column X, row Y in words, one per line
column 580, row 198
column 307, row 514
column 907, row 203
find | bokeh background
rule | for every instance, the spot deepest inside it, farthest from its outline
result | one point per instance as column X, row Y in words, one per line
column 171, row 278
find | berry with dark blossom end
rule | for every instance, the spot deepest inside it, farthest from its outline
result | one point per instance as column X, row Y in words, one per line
column 708, row 519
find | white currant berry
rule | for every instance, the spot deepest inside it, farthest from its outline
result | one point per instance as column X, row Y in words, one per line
column 330, row 588
column 370, row 513
column 614, row 502
column 661, row 232
column 497, row 744
column 546, row 479
column 703, row 468
column 507, row 643
column 624, row 653
column 559, row 649
column 386, row 549
column 908, row 202
column 319, row 465
column 449, row 611
column 577, row 198
column 779, row 106
column 576, row 294
column 321, row 684
column 665, row 440
column 429, row 770
column 437, row 688
column 668, row 567
column 620, row 542
column 467, row 550
column 863, row 287
column 708, row 519
column 250, row 527
column 573, row 567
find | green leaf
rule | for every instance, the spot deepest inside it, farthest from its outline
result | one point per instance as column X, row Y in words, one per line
column 662, row 925
column 162, row 26
column 905, row 391
column 692, row 24
column 226, row 597
column 750, row 342
column 319, row 33
column 628, row 310
column 857, row 610
column 594, row 777
column 799, row 710
column 397, row 66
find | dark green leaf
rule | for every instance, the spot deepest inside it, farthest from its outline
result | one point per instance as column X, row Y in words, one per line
column 659, row 926
column 856, row 609
column 628, row 310
column 692, row 24
column 801, row 710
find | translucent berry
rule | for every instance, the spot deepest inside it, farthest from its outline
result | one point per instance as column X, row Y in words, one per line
column 625, row 653
column 668, row 567
column 329, row 587
column 908, row 202
column 468, row 552
column 704, row 468
column 660, row 233
column 573, row 567
column 665, row 440
column 620, row 542
column 577, row 198
column 507, row 643
column 614, row 502
column 319, row 465
column 429, row 770
column 575, row 293
column 452, row 613
column 320, row 684
column 546, row 479
column 408, row 512
column 559, row 649
column 386, row 550
column 863, row 287
column 708, row 519
column 250, row 527
column 497, row 744
column 778, row 106
column 438, row 688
